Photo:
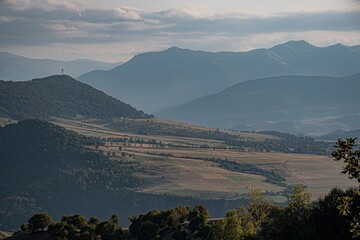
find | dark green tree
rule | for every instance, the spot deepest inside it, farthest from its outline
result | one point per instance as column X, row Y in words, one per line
column 351, row 158
column 328, row 224
column 39, row 222
column 293, row 221
column 178, row 215
column 198, row 218
column 147, row 226
column 109, row 230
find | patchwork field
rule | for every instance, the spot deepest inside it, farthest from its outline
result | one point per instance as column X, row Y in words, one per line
column 185, row 170
column 176, row 175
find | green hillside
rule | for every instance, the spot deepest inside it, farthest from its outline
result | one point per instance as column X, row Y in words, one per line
column 44, row 166
column 47, row 168
column 60, row 96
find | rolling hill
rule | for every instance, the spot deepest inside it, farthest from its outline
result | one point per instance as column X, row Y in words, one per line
column 45, row 167
column 295, row 104
column 59, row 96
column 51, row 171
column 156, row 80
column 16, row 68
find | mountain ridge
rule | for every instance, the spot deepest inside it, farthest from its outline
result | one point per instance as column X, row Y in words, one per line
column 263, row 103
column 18, row 68
column 180, row 75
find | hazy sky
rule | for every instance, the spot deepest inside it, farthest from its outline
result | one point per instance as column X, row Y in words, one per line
column 115, row 30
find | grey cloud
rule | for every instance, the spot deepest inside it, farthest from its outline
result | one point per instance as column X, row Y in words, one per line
column 34, row 24
column 326, row 21
column 68, row 12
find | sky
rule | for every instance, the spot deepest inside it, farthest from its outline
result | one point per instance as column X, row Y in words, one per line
column 116, row 30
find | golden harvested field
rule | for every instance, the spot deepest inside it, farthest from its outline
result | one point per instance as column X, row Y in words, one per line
column 179, row 173
column 95, row 130
column 198, row 178
column 318, row 173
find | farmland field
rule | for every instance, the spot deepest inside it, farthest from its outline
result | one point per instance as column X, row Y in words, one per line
column 182, row 168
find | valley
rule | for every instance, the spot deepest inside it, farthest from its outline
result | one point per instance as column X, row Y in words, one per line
column 182, row 166
column 179, row 120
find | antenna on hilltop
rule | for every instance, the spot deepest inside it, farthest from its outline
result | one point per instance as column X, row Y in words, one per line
column 62, row 71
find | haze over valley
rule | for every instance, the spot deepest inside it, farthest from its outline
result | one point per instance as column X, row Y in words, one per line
column 181, row 75
column 179, row 120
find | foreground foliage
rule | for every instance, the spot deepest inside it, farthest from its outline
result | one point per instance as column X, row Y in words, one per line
column 300, row 219
column 351, row 158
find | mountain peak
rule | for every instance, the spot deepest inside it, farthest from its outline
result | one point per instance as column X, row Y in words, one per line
column 175, row 49
column 338, row 46
column 296, row 45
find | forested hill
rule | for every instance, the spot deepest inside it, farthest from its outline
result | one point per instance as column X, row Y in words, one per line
column 60, row 96
column 38, row 135
column 45, row 167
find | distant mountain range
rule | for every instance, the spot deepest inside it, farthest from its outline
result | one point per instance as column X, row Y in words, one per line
column 156, row 80
column 15, row 67
column 294, row 104
column 60, row 96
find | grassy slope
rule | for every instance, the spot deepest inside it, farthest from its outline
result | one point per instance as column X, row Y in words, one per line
column 180, row 176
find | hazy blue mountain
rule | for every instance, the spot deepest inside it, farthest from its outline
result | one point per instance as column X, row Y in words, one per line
column 155, row 80
column 295, row 104
column 15, row 67
column 355, row 48
column 333, row 136
column 59, row 96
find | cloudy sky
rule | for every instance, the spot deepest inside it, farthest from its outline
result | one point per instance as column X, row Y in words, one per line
column 115, row 30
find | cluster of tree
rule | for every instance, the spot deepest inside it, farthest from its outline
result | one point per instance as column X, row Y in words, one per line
column 284, row 142
column 72, row 227
column 60, row 96
column 301, row 219
column 128, row 141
